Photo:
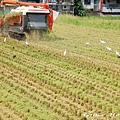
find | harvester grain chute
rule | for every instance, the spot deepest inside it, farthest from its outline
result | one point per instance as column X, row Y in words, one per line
column 20, row 17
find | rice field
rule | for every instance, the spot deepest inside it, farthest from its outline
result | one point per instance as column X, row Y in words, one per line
column 71, row 73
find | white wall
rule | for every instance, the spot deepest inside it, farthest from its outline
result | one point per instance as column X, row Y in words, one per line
column 91, row 6
column 95, row 5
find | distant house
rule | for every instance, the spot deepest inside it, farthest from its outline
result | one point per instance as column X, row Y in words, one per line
column 105, row 6
column 91, row 4
column 67, row 6
column 62, row 6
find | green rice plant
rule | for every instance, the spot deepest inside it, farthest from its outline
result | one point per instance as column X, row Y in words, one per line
column 1, row 13
column 101, row 22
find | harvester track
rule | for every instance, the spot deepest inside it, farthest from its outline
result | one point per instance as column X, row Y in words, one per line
column 16, row 35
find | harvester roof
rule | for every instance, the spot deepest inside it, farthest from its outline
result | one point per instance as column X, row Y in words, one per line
column 30, row 9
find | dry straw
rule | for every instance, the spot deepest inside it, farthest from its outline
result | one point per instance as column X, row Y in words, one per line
column 9, row 16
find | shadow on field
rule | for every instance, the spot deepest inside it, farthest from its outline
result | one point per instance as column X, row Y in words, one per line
column 41, row 35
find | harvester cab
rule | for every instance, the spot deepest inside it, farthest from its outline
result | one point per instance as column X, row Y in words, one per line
column 20, row 16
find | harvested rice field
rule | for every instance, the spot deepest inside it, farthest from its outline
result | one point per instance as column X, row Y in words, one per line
column 71, row 73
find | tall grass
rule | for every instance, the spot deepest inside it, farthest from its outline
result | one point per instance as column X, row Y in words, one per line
column 1, row 13
column 39, row 35
column 106, row 22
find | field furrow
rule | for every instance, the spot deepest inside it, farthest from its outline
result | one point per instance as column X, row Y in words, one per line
column 39, row 82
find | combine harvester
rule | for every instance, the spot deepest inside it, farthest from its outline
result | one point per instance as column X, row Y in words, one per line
column 20, row 17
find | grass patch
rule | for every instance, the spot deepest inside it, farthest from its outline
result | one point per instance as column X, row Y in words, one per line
column 106, row 22
column 1, row 13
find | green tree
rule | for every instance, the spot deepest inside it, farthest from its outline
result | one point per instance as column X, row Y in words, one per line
column 78, row 8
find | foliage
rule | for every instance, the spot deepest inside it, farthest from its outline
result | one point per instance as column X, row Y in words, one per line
column 78, row 8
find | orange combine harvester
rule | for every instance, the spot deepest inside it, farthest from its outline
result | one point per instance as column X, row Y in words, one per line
column 21, row 16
